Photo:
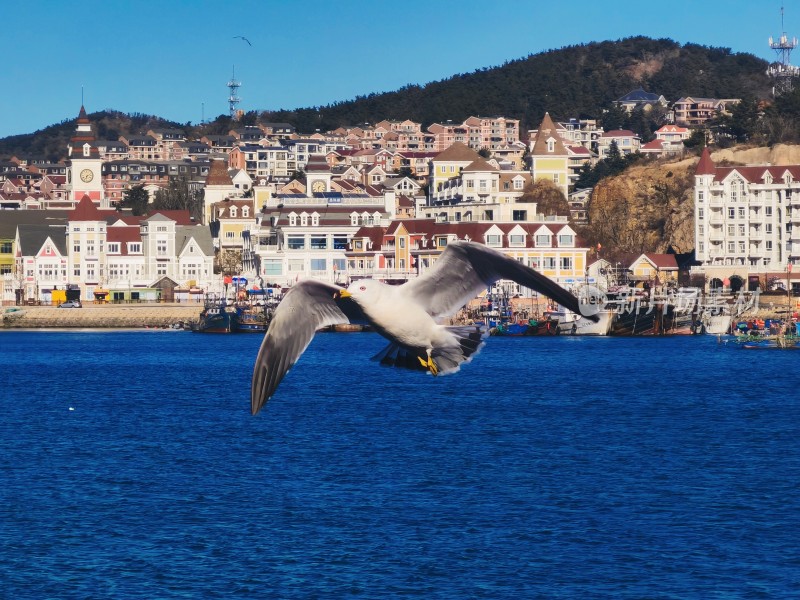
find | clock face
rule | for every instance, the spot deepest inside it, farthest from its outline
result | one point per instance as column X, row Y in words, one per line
column 86, row 175
column 318, row 186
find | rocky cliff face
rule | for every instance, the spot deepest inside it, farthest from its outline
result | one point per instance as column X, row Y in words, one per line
column 650, row 207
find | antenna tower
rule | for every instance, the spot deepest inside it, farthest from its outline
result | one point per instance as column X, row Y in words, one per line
column 782, row 71
column 233, row 99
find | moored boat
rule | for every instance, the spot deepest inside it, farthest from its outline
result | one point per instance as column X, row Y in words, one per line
column 216, row 316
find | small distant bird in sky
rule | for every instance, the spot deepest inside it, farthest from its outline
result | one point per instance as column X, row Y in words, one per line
column 243, row 38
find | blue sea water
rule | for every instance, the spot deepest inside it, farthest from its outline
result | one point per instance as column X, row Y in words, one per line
column 547, row 468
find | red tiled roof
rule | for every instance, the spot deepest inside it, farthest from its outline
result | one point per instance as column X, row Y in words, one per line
column 706, row 165
column 218, row 174
column 662, row 261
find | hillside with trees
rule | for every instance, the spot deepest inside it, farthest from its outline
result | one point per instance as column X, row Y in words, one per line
column 574, row 81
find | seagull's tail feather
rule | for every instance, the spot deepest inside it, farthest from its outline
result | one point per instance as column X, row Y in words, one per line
column 395, row 355
column 469, row 341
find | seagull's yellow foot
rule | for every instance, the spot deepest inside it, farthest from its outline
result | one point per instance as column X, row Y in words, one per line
column 429, row 364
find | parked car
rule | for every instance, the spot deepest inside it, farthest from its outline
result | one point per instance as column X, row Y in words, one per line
column 70, row 304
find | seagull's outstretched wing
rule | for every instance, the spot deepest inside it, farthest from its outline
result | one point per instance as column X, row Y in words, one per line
column 466, row 268
column 307, row 307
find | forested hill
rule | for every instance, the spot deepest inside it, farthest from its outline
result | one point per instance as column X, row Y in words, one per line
column 574, row 81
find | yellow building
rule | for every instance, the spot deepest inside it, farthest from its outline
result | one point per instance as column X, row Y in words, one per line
column 549, row 156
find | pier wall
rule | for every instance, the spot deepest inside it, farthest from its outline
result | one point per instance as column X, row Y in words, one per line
column 101, row 316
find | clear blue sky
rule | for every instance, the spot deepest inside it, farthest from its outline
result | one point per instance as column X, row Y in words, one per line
column 173, row 58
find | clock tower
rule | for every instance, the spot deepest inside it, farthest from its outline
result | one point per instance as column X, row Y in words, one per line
column 318, row 175
column 83, row 163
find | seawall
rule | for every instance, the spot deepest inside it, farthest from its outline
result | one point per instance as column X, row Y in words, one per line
column 101, row 316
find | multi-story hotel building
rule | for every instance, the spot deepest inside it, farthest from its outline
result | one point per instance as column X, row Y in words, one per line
column 747, row 221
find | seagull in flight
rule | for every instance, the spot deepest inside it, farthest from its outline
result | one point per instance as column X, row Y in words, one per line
column 406, row 315
column 242, row 38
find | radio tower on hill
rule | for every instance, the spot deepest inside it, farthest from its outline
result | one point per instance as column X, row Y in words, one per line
column 233, row 99
column 783, row 71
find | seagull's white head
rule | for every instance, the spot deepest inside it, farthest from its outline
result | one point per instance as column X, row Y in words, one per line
column 366, row 291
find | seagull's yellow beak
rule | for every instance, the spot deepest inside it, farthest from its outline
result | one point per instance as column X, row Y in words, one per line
column 344, row 294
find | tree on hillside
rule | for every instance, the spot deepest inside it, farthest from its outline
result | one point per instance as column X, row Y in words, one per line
column 549, row 199
column 135, row 198
column 741, row 125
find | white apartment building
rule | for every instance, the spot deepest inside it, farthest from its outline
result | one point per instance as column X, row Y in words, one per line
column 747, row 220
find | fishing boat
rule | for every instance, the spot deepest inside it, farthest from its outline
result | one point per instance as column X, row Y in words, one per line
column 216, row 317
column 251, row 317
column 570, row 323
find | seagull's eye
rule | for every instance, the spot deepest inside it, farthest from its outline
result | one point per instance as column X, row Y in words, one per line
column 363, row 288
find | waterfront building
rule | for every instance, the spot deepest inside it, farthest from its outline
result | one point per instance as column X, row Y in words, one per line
column 305, row 234
column 134, row 258
column 405, row 249
column 747, row 223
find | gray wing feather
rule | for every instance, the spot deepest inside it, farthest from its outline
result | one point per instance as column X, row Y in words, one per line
column 307, row 307
column 464, row 269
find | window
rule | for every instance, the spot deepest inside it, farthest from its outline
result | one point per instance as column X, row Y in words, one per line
column 295, row 265
column 516, row 240
column 768, row 228
column 543, row 239
column 700, row 196
column 731, row 247
column 493, row 240
column 518, row 184
column 319, row 242
column 113, row 247
column 769, row 245
column 5, row 247
column 76, row 247
column 319, row 264
column 549, row 262
column 731, row 213
column 161, row 247
column 565, row 263
column 441, row 242
column 339, row 242
column 134, row 247
column 741, row 247
column 767, row 211
column 731, row 229
column 519, row 215
column 566, row 240
column 273, row 266
column 741, row 212
column 339, row 264
column 402, row 242
column 296, row 242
